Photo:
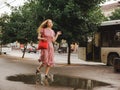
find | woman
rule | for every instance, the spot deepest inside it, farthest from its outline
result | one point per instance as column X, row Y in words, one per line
column 47, row 55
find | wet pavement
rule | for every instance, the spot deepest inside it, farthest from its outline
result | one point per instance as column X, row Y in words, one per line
column 58, row 81
column 19, row 74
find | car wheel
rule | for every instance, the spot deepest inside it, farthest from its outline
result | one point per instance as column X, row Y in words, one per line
column 4, row 52
column 111, row 58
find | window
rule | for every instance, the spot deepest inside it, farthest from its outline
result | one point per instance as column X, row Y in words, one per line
column 105, row 38
column 117, row 35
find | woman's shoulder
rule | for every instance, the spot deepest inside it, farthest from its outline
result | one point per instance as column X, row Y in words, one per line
column 41, row 30
column 49, row 29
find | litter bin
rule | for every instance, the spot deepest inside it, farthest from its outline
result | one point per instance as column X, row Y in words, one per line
column 116, row 64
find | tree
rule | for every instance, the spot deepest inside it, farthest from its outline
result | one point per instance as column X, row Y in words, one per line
column 20, row 27
column 4, row 20
column 115, row 15
column 25, row 27
column 77, row 19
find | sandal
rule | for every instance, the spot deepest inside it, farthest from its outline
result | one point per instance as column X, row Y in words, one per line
column 39, row 60
column 46, row 76
column 37, row 71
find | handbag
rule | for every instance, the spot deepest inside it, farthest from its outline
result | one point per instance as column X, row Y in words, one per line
column 43, row 44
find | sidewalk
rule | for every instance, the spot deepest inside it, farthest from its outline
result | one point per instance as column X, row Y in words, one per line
column 59, row 58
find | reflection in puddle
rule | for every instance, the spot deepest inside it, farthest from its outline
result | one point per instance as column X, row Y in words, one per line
column 58, row 80
column 27, row 79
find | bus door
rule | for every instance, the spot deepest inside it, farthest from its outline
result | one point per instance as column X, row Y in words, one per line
column 93, row 48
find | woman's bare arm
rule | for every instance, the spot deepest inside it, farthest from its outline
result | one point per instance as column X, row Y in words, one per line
column 55, row 38
column 40, row 37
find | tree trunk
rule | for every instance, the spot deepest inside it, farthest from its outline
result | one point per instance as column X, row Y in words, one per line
column 0, row 48
column 69, row 53
column 25, row 47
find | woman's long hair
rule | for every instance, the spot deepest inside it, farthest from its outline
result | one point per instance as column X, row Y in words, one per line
column 44, row 24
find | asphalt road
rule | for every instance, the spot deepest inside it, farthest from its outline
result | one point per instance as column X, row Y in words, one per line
column 13, row 66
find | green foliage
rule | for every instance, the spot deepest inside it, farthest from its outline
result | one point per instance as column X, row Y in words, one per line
column 20, row 26
column 77, row 19
column 4, row 19
column 115, row 15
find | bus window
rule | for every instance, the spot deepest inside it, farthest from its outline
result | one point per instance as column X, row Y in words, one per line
column 116, row 39
column 117, row 36
column 105, row 39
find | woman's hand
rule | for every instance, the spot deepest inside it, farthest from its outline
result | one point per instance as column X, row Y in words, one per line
column 59, row 33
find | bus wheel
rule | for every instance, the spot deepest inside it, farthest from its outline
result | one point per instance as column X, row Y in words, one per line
column 110, row 59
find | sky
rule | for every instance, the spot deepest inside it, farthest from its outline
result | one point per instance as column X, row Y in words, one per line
column 5, row 9
column 110, row 1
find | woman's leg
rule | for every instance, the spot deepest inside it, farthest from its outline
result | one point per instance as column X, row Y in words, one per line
column 39, row 67
column 47, row 70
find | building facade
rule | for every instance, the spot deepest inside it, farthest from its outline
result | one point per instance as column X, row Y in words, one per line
column 110, row 6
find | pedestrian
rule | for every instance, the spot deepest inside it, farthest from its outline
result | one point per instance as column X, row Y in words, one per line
column 47, row 55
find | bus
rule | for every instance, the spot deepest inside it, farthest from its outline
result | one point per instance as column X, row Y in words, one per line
column 105, row 45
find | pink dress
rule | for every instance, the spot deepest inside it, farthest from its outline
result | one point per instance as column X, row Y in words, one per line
column 47, row 55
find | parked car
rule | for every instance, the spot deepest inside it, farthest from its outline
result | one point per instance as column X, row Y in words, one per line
column 30, row 49
column 5, row 49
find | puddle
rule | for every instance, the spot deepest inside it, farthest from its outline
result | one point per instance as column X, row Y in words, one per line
column 27, row 79
column 58, row 81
